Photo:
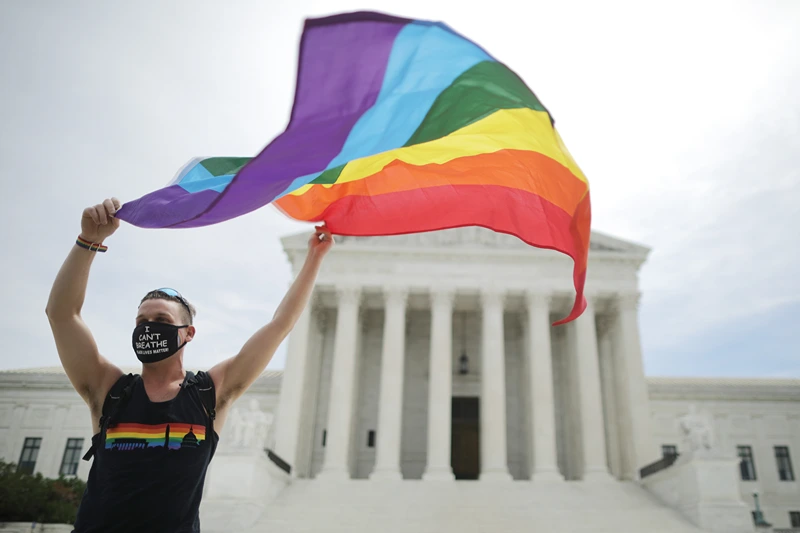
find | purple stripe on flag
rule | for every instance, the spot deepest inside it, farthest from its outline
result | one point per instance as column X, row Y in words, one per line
column 341, row 68
column 166, row 207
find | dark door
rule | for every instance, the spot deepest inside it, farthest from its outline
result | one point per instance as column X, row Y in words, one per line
column 465, row 457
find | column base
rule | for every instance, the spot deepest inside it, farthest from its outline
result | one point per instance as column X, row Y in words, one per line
column 333, row 474
column 597, row 475
column 547, row 476
column 492, row 476
column 386, row 474
column 439, row 474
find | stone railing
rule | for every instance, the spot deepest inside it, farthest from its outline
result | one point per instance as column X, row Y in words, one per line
column 704, row 490
column 28, row 527
column 658, row 466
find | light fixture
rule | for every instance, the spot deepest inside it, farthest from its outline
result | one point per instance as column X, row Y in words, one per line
column 463, row 361
column 758, row 515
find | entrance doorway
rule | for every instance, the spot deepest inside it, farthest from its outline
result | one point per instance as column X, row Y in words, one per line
column 465, row 457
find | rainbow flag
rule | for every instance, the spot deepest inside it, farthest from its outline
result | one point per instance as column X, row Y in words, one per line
column 398, row 126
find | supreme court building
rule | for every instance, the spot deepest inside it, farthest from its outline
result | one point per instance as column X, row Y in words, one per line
column 426, row 390
column 433, row 356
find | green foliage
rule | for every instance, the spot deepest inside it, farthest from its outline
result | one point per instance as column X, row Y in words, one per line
column 27, row 498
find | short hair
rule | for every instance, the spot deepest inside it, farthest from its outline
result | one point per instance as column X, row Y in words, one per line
column 189, row 311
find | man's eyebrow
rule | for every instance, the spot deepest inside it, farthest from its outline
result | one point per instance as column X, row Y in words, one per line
column 159, row 314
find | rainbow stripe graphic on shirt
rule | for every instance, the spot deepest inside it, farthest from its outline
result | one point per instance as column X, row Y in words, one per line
column 176, row 435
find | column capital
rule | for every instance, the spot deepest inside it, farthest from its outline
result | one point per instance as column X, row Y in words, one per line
column 604, row 323
column 395, row 294
column 348, row 293
column 320, row 315
column 442, row 295
column 593, row 297
column 627, row 300
column 538, row 298
column 492, row 296
column 591, row 301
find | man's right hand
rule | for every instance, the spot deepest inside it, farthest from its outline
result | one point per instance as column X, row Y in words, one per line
column 98, row 222
column 91, row 374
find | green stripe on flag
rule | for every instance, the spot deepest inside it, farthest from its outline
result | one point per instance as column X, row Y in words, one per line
column 220, row 166
column 329, row 176
column 476, row 93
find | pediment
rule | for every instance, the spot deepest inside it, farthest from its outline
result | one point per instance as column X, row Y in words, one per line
column 464, row 238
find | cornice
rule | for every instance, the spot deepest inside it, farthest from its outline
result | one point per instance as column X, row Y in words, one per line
column 728, row 389
column 54, row 379
column 470, row 242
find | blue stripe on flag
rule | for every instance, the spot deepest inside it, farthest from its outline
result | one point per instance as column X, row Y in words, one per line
column 425, row 60
column 197, row 179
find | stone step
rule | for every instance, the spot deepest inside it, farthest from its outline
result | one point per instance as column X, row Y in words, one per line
column 468, row 507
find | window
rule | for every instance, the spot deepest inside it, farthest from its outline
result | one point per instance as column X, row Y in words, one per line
column 794, row 518
column 371, row 438
column 324, row 437
column 30, row 451
column 72, row 455
column 785, row 472
column 746, row 466
column 669, row 450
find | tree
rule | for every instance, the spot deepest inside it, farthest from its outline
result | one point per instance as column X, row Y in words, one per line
column 34, row 498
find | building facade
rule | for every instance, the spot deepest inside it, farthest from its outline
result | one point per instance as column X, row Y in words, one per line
column 432, row 358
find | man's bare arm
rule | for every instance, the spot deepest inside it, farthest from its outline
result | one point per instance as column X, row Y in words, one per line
column 91, row 374
column 234, row 376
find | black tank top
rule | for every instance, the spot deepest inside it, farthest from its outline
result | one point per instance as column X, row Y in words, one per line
column 150, row 466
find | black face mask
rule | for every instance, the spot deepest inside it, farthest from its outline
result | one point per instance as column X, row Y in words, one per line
column 155, row 341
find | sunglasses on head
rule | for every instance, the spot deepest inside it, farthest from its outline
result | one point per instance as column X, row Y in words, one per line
column 175, row 294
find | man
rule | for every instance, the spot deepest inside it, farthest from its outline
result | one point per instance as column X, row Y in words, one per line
column 155, row 433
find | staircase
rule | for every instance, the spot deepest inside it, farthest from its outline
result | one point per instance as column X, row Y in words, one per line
column 355, row 506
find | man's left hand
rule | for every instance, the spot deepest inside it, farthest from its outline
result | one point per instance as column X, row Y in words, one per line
column 320, row 242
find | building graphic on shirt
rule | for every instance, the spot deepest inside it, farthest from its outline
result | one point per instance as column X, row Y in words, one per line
column 129, row 444
column 190, row 440
column 175, row 435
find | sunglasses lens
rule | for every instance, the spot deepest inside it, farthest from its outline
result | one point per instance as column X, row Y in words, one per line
column 170, row 292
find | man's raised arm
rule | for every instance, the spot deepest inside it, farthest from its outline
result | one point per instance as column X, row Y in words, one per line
column 91, row 374
column 234, row 376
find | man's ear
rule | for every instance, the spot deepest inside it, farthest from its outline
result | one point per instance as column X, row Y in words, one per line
column 190, row 333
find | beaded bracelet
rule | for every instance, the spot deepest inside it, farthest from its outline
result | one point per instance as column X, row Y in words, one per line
column 91, row 246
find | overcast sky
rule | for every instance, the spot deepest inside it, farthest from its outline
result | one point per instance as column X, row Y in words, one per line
column 684, row 115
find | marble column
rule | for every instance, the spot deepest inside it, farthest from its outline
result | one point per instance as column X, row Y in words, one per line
column 440, row 390
column 635, row 394
column 57, row 441
column 610, row 389
column 494, row 454
column 336, row 464
column 593, row 440
column 390, row 406
column 542, row 452
column 290, row 415
column 15, row 436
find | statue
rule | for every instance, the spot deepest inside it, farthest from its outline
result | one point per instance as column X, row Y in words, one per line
column 260, row 423
column 248, row 428
column 698, row 432
column 235, row 428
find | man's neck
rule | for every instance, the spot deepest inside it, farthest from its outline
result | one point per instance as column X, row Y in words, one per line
column 164, row 372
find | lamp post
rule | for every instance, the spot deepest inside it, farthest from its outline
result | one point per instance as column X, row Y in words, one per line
column 463, row 361
column 758, row 516
column 463, row 364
